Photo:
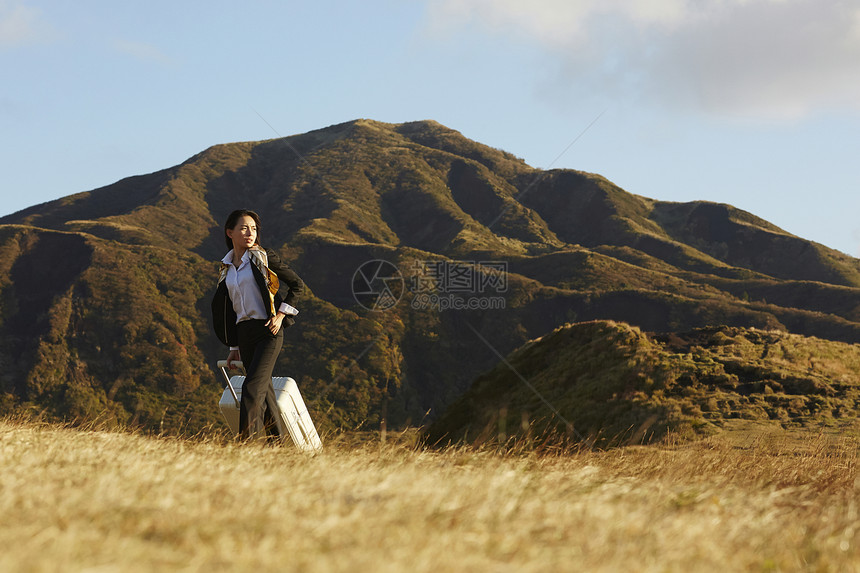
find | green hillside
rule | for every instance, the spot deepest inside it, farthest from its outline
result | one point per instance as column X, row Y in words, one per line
column 106, row 295
column 610, row 384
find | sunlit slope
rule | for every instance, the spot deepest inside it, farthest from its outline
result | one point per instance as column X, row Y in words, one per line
column 610, row 383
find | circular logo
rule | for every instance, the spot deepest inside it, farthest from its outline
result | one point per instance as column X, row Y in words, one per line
column 377, row 285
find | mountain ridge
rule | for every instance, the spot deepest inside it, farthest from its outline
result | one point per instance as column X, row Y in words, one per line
column 576, row 248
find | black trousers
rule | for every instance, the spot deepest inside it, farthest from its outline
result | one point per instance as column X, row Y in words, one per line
column 259, row 414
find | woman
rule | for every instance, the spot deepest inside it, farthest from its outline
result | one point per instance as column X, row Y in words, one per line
column 250, row 315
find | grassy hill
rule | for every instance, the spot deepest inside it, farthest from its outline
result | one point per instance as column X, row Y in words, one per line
column 83, row 500
column 610, row 383
column 105, row 298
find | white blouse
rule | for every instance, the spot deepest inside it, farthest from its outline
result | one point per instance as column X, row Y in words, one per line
column 243, row 289
column 245, row 294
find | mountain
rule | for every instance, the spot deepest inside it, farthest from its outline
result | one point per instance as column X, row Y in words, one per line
column 610, row 383
column 105, row 298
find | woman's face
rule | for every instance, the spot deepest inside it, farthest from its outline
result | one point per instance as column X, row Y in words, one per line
column 244, row 234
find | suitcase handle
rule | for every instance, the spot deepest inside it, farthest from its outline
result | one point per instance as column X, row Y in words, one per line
column 222, row 365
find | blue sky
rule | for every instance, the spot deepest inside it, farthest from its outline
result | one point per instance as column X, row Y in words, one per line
column 755, row 103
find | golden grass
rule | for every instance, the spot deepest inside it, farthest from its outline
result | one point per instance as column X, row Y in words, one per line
column 79, row 500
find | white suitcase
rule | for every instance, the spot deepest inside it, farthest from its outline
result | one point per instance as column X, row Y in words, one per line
column 293, row 411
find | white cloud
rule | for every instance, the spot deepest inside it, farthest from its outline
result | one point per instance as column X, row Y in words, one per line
column 760, row 58
column 557, row 23
column 22, row 25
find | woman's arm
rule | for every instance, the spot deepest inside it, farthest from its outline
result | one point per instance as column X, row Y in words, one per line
column 234, row 355
column 286, row 275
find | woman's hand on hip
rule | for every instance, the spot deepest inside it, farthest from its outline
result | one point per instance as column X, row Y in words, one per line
column 274, row 323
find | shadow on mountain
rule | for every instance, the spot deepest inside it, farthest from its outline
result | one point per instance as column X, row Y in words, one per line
column 45, row 268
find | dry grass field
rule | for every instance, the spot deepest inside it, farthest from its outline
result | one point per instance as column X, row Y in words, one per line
column 99, row 501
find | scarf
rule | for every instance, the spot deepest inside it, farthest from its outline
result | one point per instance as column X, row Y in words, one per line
column 260, row 260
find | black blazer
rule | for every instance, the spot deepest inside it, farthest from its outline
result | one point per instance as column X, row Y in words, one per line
column 223, row 315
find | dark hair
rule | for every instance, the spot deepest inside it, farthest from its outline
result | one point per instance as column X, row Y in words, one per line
column 233, row 219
